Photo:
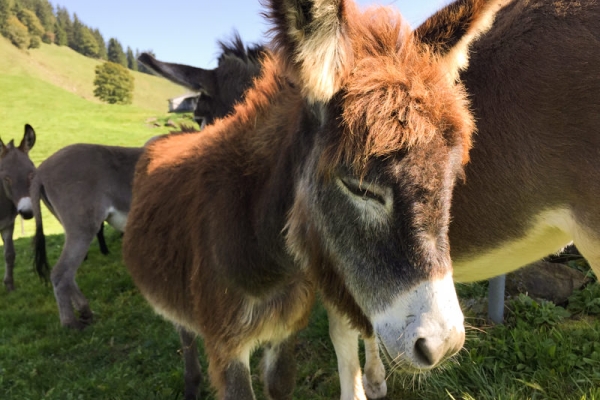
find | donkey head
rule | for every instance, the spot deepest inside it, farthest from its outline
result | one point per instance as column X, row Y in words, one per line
column 390, row 130
column 17, row 170
column 220, row 88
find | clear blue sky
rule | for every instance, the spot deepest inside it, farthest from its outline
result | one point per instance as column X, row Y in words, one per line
column 186, row 31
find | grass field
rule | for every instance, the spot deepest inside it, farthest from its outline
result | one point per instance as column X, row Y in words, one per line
column 542, row 352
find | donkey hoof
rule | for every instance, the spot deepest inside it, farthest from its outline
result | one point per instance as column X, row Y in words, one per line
column 9, row 286
column 86, row 318
column 75, row 325
column 374, row 390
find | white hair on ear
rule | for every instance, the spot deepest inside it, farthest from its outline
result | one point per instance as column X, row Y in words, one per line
column 320, row 54
column 457, row 59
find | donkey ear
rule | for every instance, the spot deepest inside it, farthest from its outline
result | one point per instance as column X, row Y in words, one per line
column 197, row 79
column 4, row 149
column 451, row 30
column 309, row 36
column 28, row 139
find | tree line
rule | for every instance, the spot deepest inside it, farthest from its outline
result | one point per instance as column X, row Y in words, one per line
column 27, row 23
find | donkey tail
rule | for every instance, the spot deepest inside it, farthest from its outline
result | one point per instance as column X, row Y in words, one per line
column 42, row 267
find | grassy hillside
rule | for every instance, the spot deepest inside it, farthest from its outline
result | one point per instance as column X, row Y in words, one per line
column 69, row 70
column 51, row 89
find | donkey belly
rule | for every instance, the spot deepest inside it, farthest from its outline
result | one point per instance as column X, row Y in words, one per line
column 549, row 232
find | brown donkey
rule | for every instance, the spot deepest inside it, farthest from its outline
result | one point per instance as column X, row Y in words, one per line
column 84, row 185
column 336, row 174
column 16, row 172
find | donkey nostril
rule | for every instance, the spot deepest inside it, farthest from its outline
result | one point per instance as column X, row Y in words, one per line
column 424, row 353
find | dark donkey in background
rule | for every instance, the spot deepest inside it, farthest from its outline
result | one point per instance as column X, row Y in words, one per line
column 16, row 172
column 219, row 88
column 84, row 185
column 335, row 174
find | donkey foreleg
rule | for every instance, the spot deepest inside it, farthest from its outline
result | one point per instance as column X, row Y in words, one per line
column 279, row 370
column 192, row 369
column 345, row 343
column 9, row 256
column 374, row 376
column 231, row 377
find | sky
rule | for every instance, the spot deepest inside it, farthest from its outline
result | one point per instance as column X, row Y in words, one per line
column 187, row 31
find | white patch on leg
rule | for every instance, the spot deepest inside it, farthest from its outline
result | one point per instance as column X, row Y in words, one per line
column 117, row 219
column 345, row 342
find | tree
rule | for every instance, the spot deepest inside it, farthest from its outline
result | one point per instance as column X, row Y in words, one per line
column 66, row 25
column 60, row 36
column 44, row 11
column 102, row 54
column 115, row 52
column 32, row 22
column 131, row 60
column 5, row 13
column 17, row 33
column 113, row 83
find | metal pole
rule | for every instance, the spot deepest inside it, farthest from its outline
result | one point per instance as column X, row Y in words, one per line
column 496, row 299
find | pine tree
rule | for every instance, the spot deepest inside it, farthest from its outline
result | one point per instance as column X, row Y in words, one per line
column 88, row 45
column 66, row 25
column 102, row 54
column 45, row 13
column 60, row 36
column 115, row 52
column 131, row 60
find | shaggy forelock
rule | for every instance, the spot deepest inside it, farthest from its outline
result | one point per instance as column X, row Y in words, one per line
column 396, row 96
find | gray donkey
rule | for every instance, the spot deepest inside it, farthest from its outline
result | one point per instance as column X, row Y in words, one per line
column 16, row 172
column 84, row 185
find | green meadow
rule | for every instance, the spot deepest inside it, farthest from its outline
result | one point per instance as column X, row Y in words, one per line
column 541, row 352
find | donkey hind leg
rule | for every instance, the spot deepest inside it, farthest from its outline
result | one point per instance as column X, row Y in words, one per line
column 102, row 240
column 9, row 256
column 345, row 343
column 192, row 369
column 66, row 291
column 374, row 376
column 279, row 370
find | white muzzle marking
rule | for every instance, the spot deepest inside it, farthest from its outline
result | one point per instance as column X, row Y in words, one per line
column 24, row 205
column 423, row 326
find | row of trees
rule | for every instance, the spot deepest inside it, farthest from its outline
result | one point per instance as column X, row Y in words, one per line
column 27, row 23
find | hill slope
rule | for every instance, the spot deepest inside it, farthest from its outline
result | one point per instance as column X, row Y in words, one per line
column 51, row 89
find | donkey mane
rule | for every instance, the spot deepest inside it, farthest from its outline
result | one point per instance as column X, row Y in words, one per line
column 249, row 54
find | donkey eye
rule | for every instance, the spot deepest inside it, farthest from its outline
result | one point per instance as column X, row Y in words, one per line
column 7, row 180
column 363, row 190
